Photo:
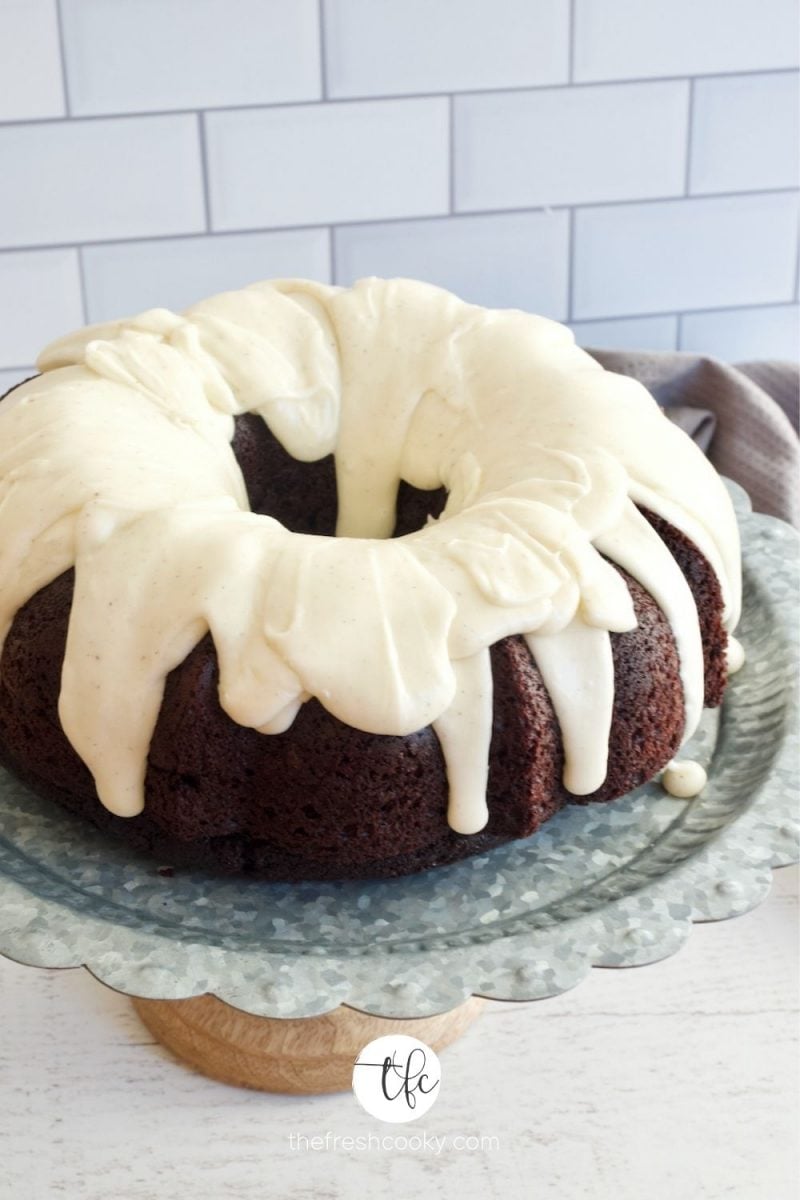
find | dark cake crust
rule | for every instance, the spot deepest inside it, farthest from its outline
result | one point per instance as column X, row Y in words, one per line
column 324, row 800
column 708, row 598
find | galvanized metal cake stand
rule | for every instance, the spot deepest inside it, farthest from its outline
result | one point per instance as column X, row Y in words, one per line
column 279, row 986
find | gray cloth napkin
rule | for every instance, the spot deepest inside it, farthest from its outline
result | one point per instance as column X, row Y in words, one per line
column 743, row 417
column 700, row 424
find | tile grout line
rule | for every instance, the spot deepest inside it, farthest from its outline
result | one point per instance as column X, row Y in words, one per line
column 686, row 312
column 82, row 285
column 203, row 144
column 62, row 53
column 571, row 43
column 687, row 177
column 570, row 262
column 451, row 148
column 332, row 264
column 323, row 44
column 314, row 102
column 607, row 320
column 531, row 210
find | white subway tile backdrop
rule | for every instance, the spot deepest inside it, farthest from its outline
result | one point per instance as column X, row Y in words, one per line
column 152, row 55
column 628, row 166
column 746, row 133
column 81, row 181
column 397, row 47
column 46, row 290
column 30, row 64
column 570, row 145
column 128, row 277
column 310, row 164
column 644, row 333
column 710, row 252
column 516, row 260
column 640, row 39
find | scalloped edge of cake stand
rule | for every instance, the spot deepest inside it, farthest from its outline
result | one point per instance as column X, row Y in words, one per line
column 730, row 875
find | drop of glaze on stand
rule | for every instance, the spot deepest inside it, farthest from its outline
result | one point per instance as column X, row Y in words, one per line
column 685, row 780
column 736, row 655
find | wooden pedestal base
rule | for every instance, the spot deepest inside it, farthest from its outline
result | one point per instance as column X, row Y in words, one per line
column 307, row 1055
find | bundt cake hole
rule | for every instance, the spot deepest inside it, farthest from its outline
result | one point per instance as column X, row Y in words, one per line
column 415, row 506
column 302, row 495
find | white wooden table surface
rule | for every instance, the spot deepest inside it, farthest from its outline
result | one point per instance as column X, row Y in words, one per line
column 677, row 1080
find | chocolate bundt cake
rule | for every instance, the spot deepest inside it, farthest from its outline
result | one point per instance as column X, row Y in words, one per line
column 526, row 604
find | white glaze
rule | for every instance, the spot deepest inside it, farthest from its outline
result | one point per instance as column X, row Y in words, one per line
column 117, row 460
column 736, row 655
column 684, row 779
column 578, row 672
column 464, row 731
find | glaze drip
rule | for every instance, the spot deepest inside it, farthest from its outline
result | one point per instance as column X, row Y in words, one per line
column 117, row 460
